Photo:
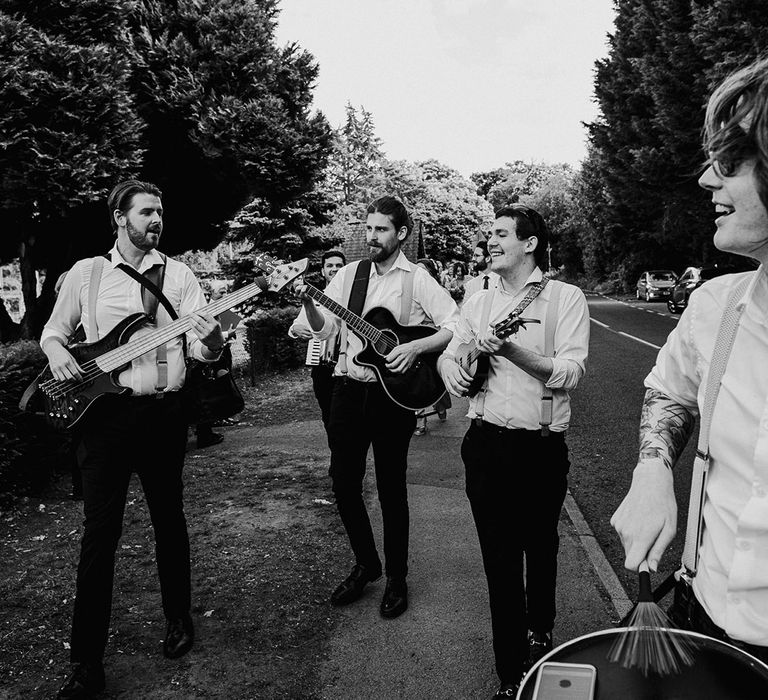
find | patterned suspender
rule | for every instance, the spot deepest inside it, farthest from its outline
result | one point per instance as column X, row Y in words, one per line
column 726, row 335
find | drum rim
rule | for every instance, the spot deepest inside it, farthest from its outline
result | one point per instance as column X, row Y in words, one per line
column 600, row 633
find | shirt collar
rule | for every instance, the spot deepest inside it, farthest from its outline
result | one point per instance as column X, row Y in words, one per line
column 151, row 259
column 401, row 263
column 536, row 276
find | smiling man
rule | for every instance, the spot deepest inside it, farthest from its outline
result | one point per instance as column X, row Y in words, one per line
column 728, row 598
column 362, row 415
column 143, row 431
column 514, row 452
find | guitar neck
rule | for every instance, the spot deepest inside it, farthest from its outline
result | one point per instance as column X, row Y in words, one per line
column 133, row 349
column 355, row 322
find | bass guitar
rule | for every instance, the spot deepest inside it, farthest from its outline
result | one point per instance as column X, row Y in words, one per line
column 65, row 403
column 477, row 363
column 418, row 387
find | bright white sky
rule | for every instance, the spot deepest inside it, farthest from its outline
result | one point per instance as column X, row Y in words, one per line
column 472, row 83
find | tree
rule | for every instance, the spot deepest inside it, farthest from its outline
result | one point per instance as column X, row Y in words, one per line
column 645, row 154
column 193, row 95
column 355, row 167
column 68, row 129
column 446, row 203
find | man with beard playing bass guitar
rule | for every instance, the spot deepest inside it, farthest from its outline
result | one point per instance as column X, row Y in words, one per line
column 362, row 412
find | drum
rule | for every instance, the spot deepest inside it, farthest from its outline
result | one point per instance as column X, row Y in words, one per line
column 720, row 671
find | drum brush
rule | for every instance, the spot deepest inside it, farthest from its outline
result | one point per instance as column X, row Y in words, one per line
column 648, row 643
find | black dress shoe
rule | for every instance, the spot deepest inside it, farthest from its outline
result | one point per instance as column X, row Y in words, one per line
column 179, row 637
column 85, row 681
column 395, row 600
column 539, row 645
column 351, row 588
column 209, row 439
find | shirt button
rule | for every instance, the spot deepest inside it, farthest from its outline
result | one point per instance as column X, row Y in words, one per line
column 759, row 491
column 743, row 545
column 734, row 599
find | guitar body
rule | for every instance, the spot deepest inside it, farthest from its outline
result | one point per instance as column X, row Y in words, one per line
column 64, row 411
column 477, row 365
column 419, row 387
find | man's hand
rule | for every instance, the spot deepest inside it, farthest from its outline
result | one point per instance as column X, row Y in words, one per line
column 208, row 329
column 646, row 520
column 491, row 345
column 403, row 357
column 301, row 331
column 456, row 379
column 62, row 364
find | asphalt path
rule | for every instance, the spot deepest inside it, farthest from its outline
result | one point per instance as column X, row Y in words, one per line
column 603, row 439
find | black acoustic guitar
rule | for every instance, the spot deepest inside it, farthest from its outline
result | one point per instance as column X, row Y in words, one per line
column 65, row 403
column 477, row 363
column 416, row 388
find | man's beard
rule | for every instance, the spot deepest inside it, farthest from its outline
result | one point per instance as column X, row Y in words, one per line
column 480, row 266
column 140, row 240
column 379, row 253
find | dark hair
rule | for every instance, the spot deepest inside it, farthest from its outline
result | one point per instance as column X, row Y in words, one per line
column 332, row 254
column 120, row 198
column 528, row 222
column 394, row 209
column 736, row 124
column 430, row 265
column 460, row 266
column 483, row 246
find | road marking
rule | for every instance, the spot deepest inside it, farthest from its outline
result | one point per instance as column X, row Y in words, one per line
column 639, row 340
column 626, row 335
column 621, row 602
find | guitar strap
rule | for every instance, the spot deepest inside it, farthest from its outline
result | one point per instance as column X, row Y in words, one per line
column 533, row 292
column 355, row 289
column 151, row 295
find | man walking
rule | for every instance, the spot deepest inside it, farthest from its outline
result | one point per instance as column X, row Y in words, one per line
column 514, row 452
column 143, row 431
column 728, row 598
column 484, row 277
column 321, row 354
column 362, row 415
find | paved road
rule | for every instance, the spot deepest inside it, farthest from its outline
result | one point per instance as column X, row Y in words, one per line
column 606, row 412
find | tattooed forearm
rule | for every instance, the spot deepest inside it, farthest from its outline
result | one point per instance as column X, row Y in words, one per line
column 665, row 427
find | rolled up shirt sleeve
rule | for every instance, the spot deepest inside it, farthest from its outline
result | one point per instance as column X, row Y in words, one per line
column 571, row 341
column 676, row 373
column 192, row 300
column 67, row 310
column 435, row 301
column 334, row 291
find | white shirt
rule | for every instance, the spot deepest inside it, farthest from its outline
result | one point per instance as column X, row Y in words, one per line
column 513, row 397
column 120, row 296
column 732, row 579
column 477, row 284
column 431, row 305
column 328, row 347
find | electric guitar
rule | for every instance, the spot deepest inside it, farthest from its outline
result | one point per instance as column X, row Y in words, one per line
column 65, row 403
column 416, row 388
column 477, row 363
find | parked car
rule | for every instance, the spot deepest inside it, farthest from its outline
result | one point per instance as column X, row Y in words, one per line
column 691, row 279
column 655, row 284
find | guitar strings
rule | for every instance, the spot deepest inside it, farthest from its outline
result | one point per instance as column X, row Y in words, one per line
column 366, row 328
column 125, row 353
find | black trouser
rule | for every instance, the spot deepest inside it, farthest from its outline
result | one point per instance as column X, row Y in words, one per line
column 322, row 385
column 121, row 435
column 363, row 415
column 516, row 484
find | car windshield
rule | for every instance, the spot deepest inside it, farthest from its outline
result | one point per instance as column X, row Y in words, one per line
column 662, row 276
